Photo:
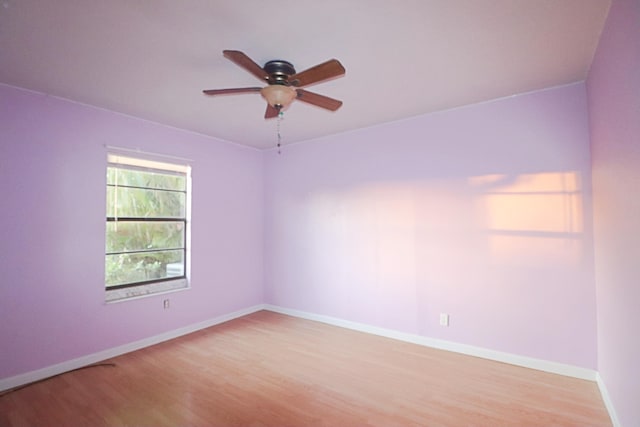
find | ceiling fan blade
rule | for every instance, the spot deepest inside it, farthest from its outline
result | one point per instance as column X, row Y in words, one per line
column 325, row 71
column 318, row 100
column 231, row 91
column 271, row 112
column 242, row 60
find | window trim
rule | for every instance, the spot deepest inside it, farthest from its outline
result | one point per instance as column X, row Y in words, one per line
column 147, row 163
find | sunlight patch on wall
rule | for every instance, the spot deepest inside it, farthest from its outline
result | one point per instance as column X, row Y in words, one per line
column 532, row 215
column 533, row 202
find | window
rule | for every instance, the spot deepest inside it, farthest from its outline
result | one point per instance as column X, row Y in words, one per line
column 146, row 227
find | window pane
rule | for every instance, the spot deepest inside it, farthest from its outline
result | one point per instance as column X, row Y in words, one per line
column 149, row 245
column 131, row 268
column 137, row 202
column 136, row 236
column 145, row 179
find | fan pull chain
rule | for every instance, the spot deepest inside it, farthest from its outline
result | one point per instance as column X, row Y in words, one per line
column 280, row 115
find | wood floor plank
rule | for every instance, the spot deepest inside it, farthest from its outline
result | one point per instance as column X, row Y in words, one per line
column 268, row 369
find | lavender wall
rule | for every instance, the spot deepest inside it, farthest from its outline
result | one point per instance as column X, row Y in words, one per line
column 52, row 182
column 614, row 109
column 482, row 212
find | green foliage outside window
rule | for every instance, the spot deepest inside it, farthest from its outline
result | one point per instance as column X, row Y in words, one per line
column 145, row 231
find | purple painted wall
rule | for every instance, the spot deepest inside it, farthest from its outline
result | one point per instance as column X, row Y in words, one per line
column 614, row 109
column 482, row 212
column 52, row 179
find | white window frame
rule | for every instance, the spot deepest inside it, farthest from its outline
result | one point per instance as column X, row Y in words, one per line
column 148, row 162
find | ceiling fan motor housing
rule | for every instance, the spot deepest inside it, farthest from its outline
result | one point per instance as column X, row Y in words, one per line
column 279, row 72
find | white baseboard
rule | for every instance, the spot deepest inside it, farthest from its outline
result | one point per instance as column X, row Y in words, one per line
column 49, row 371
column 607, row 401
column 513, row 359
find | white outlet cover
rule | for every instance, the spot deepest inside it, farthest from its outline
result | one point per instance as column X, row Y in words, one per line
column 444, row 319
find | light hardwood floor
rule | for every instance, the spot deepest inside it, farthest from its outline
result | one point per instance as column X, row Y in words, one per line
column 268, row 369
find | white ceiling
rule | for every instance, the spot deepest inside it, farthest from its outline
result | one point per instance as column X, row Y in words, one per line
column 152, row 58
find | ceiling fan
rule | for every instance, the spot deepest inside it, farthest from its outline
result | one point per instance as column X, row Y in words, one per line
column 284, row 83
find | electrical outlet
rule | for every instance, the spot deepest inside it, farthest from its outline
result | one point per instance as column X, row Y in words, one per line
column 444, row 319
column 165, row 304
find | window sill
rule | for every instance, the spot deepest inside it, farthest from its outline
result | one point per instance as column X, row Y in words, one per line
column 142, row 291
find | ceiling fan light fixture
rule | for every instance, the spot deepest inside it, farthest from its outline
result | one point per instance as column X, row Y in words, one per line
column 279, row 96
